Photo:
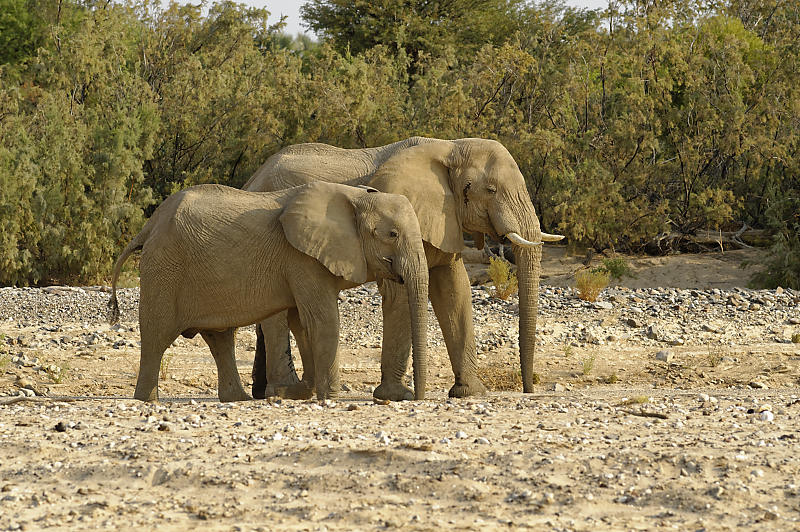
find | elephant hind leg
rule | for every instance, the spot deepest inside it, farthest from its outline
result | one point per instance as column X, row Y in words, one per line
column 153, row 346
column 222, row 345
column 273, row 362
column 259, row 373
column 303, row 389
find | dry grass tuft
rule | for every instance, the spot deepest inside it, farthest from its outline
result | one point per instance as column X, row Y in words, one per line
column 590, row 283
column 505, row 280
column 714, row 356
column 637, row 400
column 163, row 371
column 56, row 373
column 588, row 364
column 503, row 378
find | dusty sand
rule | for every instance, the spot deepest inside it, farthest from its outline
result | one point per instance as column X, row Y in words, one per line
column 706, row 440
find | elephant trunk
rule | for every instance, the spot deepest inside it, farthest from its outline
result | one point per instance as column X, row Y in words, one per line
column 528, row 271
column 519, row 217
column 416, row 282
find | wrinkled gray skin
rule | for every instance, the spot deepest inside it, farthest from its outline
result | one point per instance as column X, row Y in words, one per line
column 216, row 258
column 466, row 185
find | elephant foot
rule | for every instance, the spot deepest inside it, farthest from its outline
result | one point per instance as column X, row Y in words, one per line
column 146, row 395
column 260, row 390
column 299, row 390
column 393, row 391
column 230, row 396
column 151, row 400
column 467, row 388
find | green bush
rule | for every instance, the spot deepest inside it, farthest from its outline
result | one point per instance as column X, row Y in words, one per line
column 782, row 267
column 617, row 267
column 108, row 107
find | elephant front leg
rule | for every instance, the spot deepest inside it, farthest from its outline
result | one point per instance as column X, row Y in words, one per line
column 229, row 383
column 396, row 344
column 451, row 298
column 320, row 323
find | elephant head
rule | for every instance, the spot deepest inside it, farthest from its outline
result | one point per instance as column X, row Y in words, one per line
column 361, row 234
column 474, row 186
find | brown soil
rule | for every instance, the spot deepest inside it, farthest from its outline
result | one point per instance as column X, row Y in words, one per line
column 613, row 439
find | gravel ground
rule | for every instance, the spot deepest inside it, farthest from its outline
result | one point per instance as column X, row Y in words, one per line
column 658, row 409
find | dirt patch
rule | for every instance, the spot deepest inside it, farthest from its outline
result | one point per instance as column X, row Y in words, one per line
column 670, row 408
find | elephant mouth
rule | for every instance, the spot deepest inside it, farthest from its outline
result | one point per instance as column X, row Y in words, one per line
column 389, row 272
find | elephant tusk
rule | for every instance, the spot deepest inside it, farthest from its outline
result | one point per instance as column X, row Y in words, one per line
column 547, row 237
column 518, row 240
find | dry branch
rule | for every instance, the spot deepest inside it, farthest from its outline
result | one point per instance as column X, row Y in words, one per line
column 708, row 240
column 642, row 413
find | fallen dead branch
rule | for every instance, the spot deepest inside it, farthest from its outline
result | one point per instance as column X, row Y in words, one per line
column 642, row 413
column 34, row 399
column 708, row 240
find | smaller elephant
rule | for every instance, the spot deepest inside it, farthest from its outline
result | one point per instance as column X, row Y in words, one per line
column 215, row 258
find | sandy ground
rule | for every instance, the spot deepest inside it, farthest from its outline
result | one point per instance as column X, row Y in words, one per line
column 613, row 438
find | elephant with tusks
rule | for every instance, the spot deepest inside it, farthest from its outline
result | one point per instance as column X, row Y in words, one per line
column 455, row 186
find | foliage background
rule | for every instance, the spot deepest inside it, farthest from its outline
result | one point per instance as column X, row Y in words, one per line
column 651, row 116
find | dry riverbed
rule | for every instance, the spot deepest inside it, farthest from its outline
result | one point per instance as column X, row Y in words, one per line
column 658, row 408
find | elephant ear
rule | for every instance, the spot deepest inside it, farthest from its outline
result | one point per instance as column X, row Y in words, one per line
column 420, row 174
column 320, row 221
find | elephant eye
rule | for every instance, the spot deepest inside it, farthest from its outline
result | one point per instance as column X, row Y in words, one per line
column 393, row 233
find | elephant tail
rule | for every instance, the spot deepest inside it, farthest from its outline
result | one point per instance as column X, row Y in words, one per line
column 135, row 244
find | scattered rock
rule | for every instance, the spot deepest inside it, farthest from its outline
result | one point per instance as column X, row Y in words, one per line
column 24, row 382
column 633, row 322
column 665, row 356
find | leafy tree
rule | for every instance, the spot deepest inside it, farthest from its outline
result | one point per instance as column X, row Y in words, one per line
column 19, row 31
column 420, row 28
column 630, row 123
